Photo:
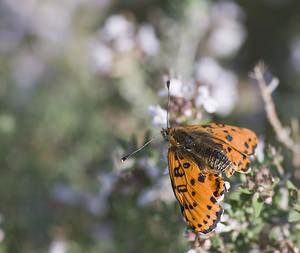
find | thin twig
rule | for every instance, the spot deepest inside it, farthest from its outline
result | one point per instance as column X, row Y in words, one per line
column 282, row 133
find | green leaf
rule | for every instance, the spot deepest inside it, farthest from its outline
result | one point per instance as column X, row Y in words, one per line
column 290, row 185
column 294, row 216
column 257, row 207
column 245, row 191
column 296, row 207
column 235, row 196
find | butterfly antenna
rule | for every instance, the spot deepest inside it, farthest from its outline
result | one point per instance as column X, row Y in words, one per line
column 168, row 87
column 124, row 158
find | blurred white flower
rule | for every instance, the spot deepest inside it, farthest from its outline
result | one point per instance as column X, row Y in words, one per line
column 191, row 251
column 117, row 26
column 97, row 203
column 207, row 70
column 58, row 246
column 150, row 167
column 147, row 40
column 161, row 190
column 226, row 38
column 65, row 194
column 260, row 150
column 228, row 32
column 159, row 116
column 228, row 224
column 227, row 10
column 204, row 99
column 178, row 88
column 227, row 185
column 102, row 57
column 295, row 53
column 47, row 25
column 223, row 84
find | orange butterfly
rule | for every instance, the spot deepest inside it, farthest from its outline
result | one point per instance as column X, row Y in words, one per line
column 197, row 156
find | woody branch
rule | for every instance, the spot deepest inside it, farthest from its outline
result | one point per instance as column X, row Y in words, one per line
column 282, row 133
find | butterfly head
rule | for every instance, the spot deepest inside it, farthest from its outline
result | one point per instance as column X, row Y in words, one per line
column 165, row 133
column 169, row 135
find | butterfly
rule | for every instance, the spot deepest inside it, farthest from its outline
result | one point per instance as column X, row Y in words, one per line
column 198, row 156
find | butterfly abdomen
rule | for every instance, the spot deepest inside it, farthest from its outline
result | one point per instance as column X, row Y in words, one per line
column 218, row 161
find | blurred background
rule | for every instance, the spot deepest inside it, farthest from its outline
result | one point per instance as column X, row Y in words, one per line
column 80, row 86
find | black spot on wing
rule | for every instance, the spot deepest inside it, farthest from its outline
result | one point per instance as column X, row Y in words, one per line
column 201, row 178
column 186, row 165
column 181, row 188
column 213, row 200
column 229, row 137
column 178, row 172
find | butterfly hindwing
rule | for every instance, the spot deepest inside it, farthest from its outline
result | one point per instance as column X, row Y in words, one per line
column 234, row 142
column 241, row 139
column 197, row 191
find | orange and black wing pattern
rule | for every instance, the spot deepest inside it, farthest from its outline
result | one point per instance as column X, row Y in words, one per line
column 235, row 142
column 241, row 139
column 197, row 191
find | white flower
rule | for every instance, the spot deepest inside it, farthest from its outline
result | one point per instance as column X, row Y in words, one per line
column 148, row 40
column 102, row 58
column 230, row 35
column 223, row 84
column 207, row 70
column 227, row 10
column 119, row 30
column 204, row 99
column 227, row 185
column 58, row 246
column 259, row 151
column 178, row 88
column 117, row 26
column 159, row 116
column 231, row 225
column 191, row 251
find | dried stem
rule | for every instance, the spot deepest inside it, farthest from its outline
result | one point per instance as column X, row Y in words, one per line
column 282, row 133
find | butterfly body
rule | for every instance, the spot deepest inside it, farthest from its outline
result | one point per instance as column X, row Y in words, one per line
column 197, row 157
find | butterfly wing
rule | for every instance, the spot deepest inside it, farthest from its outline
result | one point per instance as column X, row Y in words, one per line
column 235, row 142
column 241, row 139
column 197, row 191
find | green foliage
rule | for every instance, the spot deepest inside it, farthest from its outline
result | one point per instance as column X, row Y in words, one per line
column 74, row 95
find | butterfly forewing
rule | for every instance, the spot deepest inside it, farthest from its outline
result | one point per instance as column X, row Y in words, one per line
column 197, row 191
